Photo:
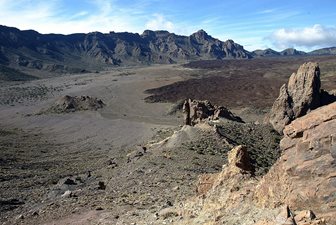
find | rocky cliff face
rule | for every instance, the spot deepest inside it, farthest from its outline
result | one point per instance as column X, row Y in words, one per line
column 305, row 175
column 66, row 53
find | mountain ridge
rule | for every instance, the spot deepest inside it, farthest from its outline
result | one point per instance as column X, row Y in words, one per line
column 268, row 52
column 71, row 53
column 32, row 52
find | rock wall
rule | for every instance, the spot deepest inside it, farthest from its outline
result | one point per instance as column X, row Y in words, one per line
column 305, row 175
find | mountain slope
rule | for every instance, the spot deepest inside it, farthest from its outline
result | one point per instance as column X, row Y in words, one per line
column 292, row 52
column 93, row 51
column 265, row 53
column 272, row 53
column 324, row 51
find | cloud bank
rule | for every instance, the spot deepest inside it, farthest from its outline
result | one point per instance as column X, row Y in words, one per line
column 316, row 36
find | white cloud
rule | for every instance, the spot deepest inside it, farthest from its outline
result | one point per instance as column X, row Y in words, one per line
column 159, row 22
column 52, row 17
column 308, row 37
column 267, row 11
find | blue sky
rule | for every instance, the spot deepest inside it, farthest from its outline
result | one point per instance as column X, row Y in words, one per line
column 255, row 24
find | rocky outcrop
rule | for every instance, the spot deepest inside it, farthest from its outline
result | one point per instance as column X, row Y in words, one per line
column 68, row 103
column 239, row 162
column 239, row 158
column 304, row 176
column 299, row 96
column 196, row 111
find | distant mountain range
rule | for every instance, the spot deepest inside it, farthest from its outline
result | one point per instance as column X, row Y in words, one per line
column 31, row 52
column 292, row 52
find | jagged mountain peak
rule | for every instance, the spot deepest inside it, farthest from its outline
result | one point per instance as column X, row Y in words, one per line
column 201, row 35
column 201, row 31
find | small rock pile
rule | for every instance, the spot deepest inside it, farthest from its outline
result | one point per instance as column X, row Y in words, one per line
column 289, row 217
column 67, row 104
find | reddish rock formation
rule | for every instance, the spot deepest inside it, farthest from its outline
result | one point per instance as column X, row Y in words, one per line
column 239, row 159
column 305, row 175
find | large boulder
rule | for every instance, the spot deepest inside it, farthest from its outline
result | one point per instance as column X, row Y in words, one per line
column 299, row 96
column 196, row 111
column 239, row 159
column 239, row 164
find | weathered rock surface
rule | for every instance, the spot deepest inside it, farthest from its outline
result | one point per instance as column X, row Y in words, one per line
column 196, row 111
column 305, row 175
column 304, row 89
column 300, row 95
column 239, row 158
column 226, row 197
column 68, row 103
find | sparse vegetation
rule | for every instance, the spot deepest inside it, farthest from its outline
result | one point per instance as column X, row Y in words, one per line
column 10, row 74
column 13, row 94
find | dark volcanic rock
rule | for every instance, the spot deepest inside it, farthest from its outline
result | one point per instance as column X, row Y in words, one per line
column 196, row 111
column 300, row 95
